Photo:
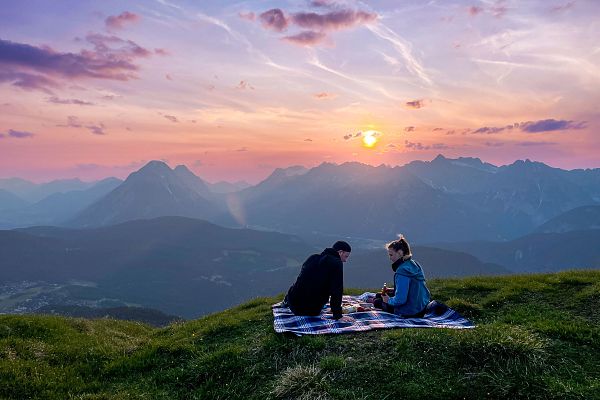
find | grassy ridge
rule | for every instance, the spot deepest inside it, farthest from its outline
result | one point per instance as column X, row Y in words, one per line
column 537, row 337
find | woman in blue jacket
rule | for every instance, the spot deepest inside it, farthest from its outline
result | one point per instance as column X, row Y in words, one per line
column 411, row 295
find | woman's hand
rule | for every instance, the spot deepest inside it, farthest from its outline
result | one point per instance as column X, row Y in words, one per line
column 385, row 298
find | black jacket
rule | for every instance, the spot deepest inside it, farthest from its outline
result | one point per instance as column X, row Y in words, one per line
column 322, row 276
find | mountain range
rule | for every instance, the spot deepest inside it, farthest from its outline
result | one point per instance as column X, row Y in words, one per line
column 444, row 200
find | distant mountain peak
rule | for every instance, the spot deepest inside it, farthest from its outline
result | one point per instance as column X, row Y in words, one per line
column 182, row 168
column 439, row 158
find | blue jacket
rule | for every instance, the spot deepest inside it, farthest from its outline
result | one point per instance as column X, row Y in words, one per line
column 411, row 293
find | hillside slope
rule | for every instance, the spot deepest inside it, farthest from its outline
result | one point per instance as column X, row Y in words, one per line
column 537, row 337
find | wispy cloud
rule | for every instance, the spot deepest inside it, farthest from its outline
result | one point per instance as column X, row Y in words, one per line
column 404, row 48
column 244, row 85
column 420, row 146
column 534, row 144
column 325, row 96
column 78, row 102
column 75, row 122
column 306, row 38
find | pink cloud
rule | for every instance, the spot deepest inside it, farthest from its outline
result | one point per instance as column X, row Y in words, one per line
column 274, row 19
column 119, row 21
column 474, row 10
column 335, row 20
column 243, row 85
column 306, row 38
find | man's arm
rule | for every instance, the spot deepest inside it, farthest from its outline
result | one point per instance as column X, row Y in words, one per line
column 336, row 289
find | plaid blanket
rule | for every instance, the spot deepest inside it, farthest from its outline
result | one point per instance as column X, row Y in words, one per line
column 437, row 315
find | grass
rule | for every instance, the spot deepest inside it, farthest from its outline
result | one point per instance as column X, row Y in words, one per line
column 537, row 338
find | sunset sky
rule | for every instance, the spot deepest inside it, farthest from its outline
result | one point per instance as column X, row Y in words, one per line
column 234, row 89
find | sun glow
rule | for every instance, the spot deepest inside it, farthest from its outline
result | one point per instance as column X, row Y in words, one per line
column 370, row 138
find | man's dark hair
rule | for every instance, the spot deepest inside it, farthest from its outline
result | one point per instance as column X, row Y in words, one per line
column 341, row 245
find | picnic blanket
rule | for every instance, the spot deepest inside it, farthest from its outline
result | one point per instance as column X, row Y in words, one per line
column 437, row 315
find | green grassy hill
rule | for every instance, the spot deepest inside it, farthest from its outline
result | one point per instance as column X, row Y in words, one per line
column 537, row 337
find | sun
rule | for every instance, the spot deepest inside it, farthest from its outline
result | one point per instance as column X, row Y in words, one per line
column 370, row 138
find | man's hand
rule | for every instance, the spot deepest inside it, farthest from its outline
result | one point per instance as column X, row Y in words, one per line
column 385, row 298
column 346, row 318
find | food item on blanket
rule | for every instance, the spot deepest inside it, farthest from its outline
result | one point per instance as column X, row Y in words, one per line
column 348, row 309
column 361, row 309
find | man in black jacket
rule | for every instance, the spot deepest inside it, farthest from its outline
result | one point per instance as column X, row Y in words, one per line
column 321, row 277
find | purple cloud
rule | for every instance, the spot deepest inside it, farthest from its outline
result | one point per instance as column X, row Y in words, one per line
column 78, row 102
column 97, row 129
column 72, row 122
column 416, row 104
column 119, row 21
column 27, row 81
column 529, row 144
column 325, row 96
column 274, row 19
column 494, row 144
column 547, row 125
column 333, row 20
column 32, row 67
column 489, row 130
column 171, row 118
column 421, row 146
column 563, row 7
column 409, row 129
column 322, row 3
column 306, row 38
column 17, row 134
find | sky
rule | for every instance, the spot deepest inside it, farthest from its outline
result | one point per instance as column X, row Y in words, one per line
column 234, row 89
